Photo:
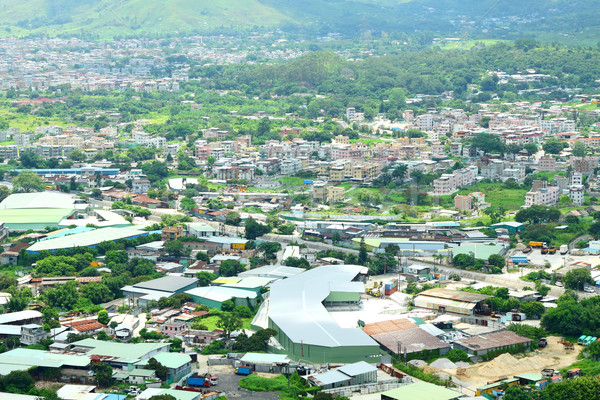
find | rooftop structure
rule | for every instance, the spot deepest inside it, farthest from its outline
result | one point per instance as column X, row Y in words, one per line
column 453, row 301
column 37, row 219
column 305, row 329
column 273, row 271
column 43, row 200
column 214, row 296
column 481, row 344
column 87, row 239
column 126, row 353
column 155, row 289
column 421, row 391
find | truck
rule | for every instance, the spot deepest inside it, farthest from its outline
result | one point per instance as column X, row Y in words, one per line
column 242, row 370
column 552, row 250
column 544, row 250
column 564, row 249
column 198, row 381
column 543, row 342
column 538, row 244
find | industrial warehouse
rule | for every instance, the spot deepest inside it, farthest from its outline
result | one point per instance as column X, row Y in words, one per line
column 305, row 329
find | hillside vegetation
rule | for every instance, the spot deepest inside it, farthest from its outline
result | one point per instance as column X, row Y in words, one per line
column 482, row 19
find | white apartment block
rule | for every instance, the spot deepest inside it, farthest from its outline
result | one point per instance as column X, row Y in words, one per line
column 544, row 196
column 576, row 193
column 290, row 166
column 448, row 183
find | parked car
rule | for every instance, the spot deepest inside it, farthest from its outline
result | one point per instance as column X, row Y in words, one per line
column 589, row 289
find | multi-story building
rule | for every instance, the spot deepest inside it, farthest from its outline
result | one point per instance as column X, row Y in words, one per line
column 140, row 186
column 576, row 193
column 10, row 152
column 544, row 196
column 23, row 139
column 547, row 164
column 171, row 233
column 463, row 202
column 290, row 166
column 584, row 165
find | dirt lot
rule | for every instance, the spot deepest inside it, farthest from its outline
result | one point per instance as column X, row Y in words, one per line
column 506, row 365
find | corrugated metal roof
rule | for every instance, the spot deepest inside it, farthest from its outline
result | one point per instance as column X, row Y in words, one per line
column 296, row 308
column 357, row 368
column 87, row 239
column 169, row 360
column 167, row 283
column 492, row 340
column 19, row 316
column 220, row 293
column 457, row 295
column 43, row 200
column 422, row 390
column 413, row 340
column 34, row 215
column 263, row 358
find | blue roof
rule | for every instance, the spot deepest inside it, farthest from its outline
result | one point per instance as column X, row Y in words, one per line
column 66, row 232
column 446, row 223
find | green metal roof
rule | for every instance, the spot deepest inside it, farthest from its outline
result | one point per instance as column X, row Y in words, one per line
column 34, row 215
column 422, row 390
column 127, row 352
column 40, row 358
column 169, row 360
column 530, row 376
column 496, row 384
column 482, row 251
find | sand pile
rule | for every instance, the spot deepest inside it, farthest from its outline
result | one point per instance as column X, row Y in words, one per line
column 506, row 364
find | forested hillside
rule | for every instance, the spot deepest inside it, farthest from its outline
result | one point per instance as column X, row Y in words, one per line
column 367, row 83
column 550, row 19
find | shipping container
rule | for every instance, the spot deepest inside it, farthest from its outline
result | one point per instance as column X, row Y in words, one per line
column 391, row 291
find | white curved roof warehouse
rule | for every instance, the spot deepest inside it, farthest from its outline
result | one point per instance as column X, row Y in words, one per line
column 305, row 328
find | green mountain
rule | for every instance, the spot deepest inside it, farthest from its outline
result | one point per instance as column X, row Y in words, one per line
column 476, row 18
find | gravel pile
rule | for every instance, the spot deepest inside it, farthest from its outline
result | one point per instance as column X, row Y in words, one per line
column 417, row 363
column 443, row 363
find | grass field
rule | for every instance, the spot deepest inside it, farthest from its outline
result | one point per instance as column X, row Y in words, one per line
column 499, row 196
column 211, row 322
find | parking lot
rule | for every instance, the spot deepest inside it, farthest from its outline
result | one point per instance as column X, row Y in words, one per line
column 229, row 382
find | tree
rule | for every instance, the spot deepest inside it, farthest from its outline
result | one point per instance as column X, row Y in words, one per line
column 28, row 181
column 229, row 322
column 362, row 253
column 230, row 268
column 233, row 218
column 187, row 204
column 495, row 213
column 577, row 278
column 488, row 143
column 553, row 146
column 162, row 397
column 533, row 309
column 286, row 229
column 63, row 297
column 270, row 249
column 594, row 230
column 103, row 374
column 531, row 148
column 103, row 317
column 296, row 262
column 160, row 370
column 205, row 278
column 255, row 229
column 227, row 305
column 579, row 149
column 97, row 292
column 17, row 381
column 174, row 248
column 4, row 192
column 77, row 155
column 497, row 260
column 335, row 237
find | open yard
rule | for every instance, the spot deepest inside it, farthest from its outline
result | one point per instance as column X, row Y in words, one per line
column 499, row 196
